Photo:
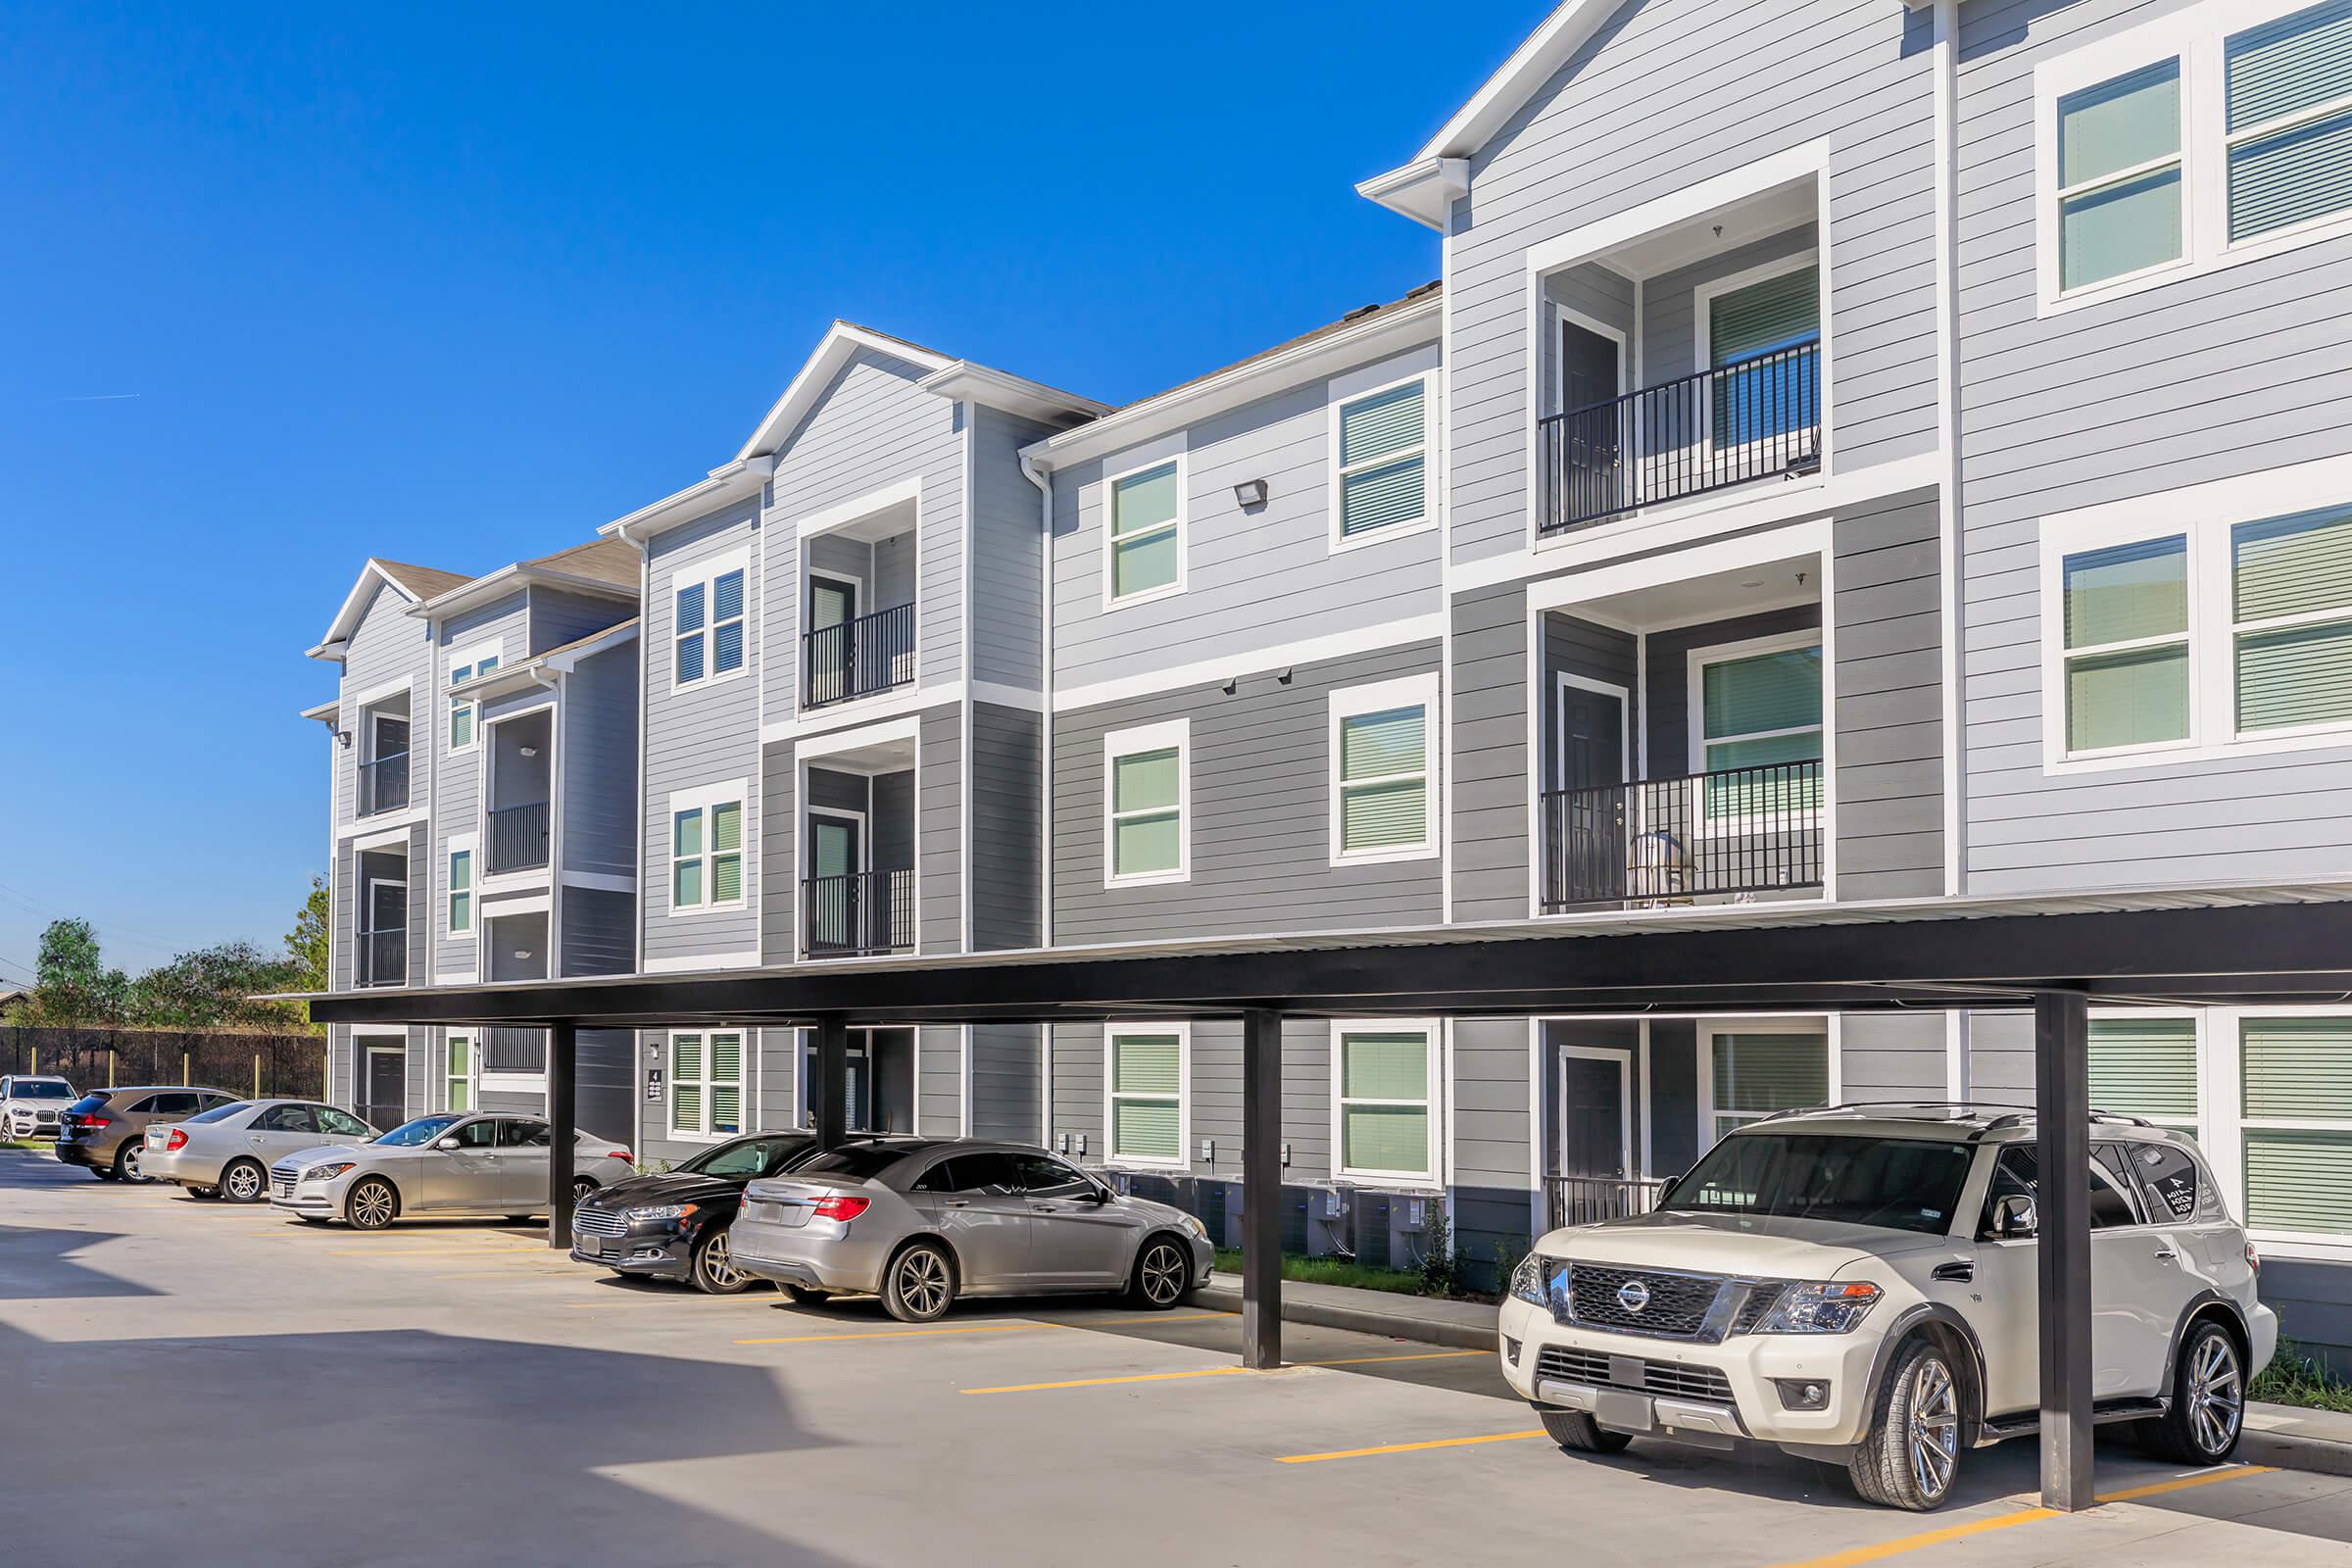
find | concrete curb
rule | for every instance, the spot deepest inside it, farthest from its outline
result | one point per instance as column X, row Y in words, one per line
column 1314, row 1305
column 2271, row 1436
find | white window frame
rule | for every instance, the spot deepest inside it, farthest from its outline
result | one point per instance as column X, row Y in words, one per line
column 1350, row 701
column 1176, row 733
column 706, row 574
column 671, row 1132
column 2199, row 1123
column 1433, row 1178
column 1694, row 699
column 466, row 664
column 472, row 1077
column 1828, row 1025
column 1338, row 473
column 2206, row 514
column 1182, row 523
column 2221, row 1098
column 1703, row 354
column 470, row 846
column 1112, row 1034
column 702, row 800
column 2197, row 37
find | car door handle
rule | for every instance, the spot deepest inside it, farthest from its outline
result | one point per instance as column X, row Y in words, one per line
column 2165, row 1255
column 1956, row 1273
column 955, row 1203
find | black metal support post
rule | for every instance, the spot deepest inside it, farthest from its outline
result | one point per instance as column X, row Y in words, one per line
column 562, row 1051
column 832, row 1097
column 2062, row 1126
column 1261, row 1189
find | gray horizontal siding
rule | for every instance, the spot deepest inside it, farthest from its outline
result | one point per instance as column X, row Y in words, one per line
column 1889, row 687
column 1487, row 805
column 1008, row 547
column 559, row 616
column 599, row 932
column 1215, row 1088
column 388, row 645
column 1007, row 1081
column 938, row 868
column 1007, row 762
column 939, row 1081
column 779, row 838
column 599, row 742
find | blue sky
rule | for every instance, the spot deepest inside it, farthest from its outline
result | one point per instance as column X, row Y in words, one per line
column 288, row 286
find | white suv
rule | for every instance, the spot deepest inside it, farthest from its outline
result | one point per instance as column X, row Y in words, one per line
column 31, row 1103
column 1857, row 1285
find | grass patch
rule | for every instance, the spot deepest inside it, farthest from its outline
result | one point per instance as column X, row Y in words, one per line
column 2294, row 1378
column 1333, row 1271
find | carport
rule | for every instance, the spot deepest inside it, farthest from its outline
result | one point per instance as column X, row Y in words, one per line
column 2056, row 956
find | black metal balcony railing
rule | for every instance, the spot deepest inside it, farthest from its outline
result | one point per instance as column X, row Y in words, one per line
column 383, row 957
column 1583, row 1200
column 518, row 837
column 855, row 658
column 864, row 912
column 384, row 784
column 1682, row 438
column 513, row 1050
column 1736, row 830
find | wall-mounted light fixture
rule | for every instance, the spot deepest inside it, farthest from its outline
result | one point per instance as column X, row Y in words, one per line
column 530, row 751
column 1284, row 677
column 1249, row 492
column 343, row 739
column 1233, row 683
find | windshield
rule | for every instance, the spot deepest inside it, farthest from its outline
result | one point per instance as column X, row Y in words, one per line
column 414, row 1134
column 746, row 1157
column 1899, row 1183
column 42, row 1088
column 220, row 1112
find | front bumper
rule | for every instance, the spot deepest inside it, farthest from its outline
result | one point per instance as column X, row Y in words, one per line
column 656, row 1252
column 318, row 1200
column 1686, row 1390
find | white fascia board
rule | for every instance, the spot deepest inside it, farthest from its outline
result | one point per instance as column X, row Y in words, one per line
column 339, row 630
column 1386, row 331
column 965, row 381
column 1530, row 66
column 1423, row 190
column 740, row 479
column 841, row 340
column 508, row 579
column 326, row 713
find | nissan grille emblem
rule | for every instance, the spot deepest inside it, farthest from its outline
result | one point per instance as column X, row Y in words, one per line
column 1633, row 1295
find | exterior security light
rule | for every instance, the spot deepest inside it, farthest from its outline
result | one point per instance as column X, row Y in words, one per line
column 1249, row 492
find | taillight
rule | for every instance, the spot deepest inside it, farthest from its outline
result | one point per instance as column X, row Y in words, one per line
column 2253, row 1259
column 616, row 1153
column 842, row 1208
column 97, row 1121
column 178, row 1140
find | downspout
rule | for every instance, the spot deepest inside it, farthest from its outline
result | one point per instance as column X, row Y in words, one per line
column 1044, row 775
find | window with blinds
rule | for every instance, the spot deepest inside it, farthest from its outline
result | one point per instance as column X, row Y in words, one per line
column 1146, row 544
column 2119, row 176
column 2295, row 1076
column 2146, row 1067
column 1145, row 829
column 1757, row 709
column 1756, row 1073
column 2125, row 621
column 707, row 627
column 2290, row 598
column 2288, row 86
column 1765, row 391
column 706, row 1083
column 458, row 1075
column 462, row 715
column 1384, row 1103
column 1383, row 782
column 706, row 855
column 461, row 893
column 1383, row 445
column 1146, row 1096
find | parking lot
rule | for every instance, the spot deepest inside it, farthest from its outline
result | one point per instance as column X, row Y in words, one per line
column 221, row 1384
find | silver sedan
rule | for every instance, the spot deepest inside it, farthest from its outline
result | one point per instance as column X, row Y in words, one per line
column 490, row 1164
column 922, row 1222
column 229, row 1149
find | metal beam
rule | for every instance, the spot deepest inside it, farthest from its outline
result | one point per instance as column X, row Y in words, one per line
column 832, row 1097
column 1261, row 1189
column 562, row 1059
column 2062, row 1132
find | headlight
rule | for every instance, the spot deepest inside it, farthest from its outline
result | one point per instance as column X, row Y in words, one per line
column 653, row 1212
column 1823, row 1306
column 1192, row 1222
column 1527, row 1281
column 326, row 1173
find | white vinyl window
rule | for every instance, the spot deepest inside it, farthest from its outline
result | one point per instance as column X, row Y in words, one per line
column 464, row 712
column 2295, row 1130
column 2290, row 610
column 2119, row 176
column 1758, row 730
column 1382, row 806
column 705, row 850
column 2289, row 120
column 1146, row 803
column 706, row 633
column 2145, row 1064
column 1383, row 1124
column 706, row 1083
column 457, row 1075
column 2125, row 625
column 460, row 887
column 1380, row 445
column 1145, row 533
column 1146, row 1070
column 1754, row 1069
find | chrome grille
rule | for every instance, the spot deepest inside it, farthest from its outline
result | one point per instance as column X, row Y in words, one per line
column 281, row 1184
column 1676, row 1306
column 597, row 1222
column 1655, row 1377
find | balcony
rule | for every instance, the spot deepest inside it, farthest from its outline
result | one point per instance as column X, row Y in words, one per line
column 1586, row 1200
column 858, row 914
column 383, row 957
column 1733, row 831
column 516, row 838
column 1746, row 420
column 384, row 784
column 858, row 658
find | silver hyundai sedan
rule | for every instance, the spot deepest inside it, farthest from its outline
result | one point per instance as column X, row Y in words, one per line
column 921, row 1222
column 494, row 1162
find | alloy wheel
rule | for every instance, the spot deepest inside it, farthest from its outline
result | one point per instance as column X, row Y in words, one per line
column 1933, row 1435
column 371, row 1205
column 242, row 1183
column 922, row 1281
column 2215, row 1394
column 718, row 1263
column 1164, row 1272
column 131, row 1165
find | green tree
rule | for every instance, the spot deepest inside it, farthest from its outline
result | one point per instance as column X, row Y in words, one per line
column 213, row 988
column 73, row 988
column 306, row 944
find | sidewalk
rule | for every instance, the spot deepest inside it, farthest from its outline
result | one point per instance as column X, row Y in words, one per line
column 2318, row 1440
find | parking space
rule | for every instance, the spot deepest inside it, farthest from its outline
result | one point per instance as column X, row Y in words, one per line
column 458, row 1392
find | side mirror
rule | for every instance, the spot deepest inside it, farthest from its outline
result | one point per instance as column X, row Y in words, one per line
column 2014, row 1218
column 447, row 1145
column 1666, row 1191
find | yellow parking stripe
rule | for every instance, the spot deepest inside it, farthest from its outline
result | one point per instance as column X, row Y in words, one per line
column 904, row 1334
column 1417, row 1355
column 1406, row 1447
column 2203, row 1478
column 1095, row 1383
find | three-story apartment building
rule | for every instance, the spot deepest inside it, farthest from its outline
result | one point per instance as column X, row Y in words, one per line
column 1864, row 453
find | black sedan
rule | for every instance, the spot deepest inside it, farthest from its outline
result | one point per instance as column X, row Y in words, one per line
column 673, row 1226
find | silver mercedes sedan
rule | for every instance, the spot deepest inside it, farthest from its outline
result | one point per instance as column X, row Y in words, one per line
column 923, row 1221
column 227, row 1151
column 492, row 1162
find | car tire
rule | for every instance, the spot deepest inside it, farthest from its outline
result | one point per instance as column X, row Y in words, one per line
column 919, row 1284
column 312, row 1219
column 1911, row 1457
column 105, row 1173
column 371, row 1204
column 1578, row 1433
column 2209, row 1399
column 243, row 1181
column 713, row 1269
column 126, row 1162
column 582, row 1189
column 202, row 1193
column 1164, row 1273
column 803, row 1296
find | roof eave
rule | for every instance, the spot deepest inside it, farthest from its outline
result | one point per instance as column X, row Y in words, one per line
column 967, row 381
column 508, row 580
column 1543, row 51
column 841, row 340
column 1423, row 190
column 732, row 482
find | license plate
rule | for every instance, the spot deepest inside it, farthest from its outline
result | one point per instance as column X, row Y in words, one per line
column 592, row 1245
column 1626, row 1412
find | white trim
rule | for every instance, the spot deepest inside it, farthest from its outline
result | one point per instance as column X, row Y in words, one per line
column 2223, row 1125
column 1703, row 295
column 1250, row 662
column 1569, row 679
column 1811, row 537
column 1181, row 461
column 857, row 712
column 1826, row 1025
column 1623, row 1060
column 998, row 695
column 468, row 659
column 699, row 962
column 860, row 507
column 704, row 799
column 841, row 342
column 470, row 846
column 1433, row 1177
column 1174, row 733
column 1112, row 1033
column 1350, row 701
column 1648, row 1166
column 907, row 729
column 472, row 1077
column 1811, row 160
column 704, row 574
column 379, row 833
column 406, row 686
column 1336, row 539
column 1696, row 663
column 1533, row 63
column 529, row 904
column 600, row 881
column 748, row 1039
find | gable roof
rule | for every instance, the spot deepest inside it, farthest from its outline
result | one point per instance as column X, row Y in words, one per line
column 411, row 583
column 605, row 567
